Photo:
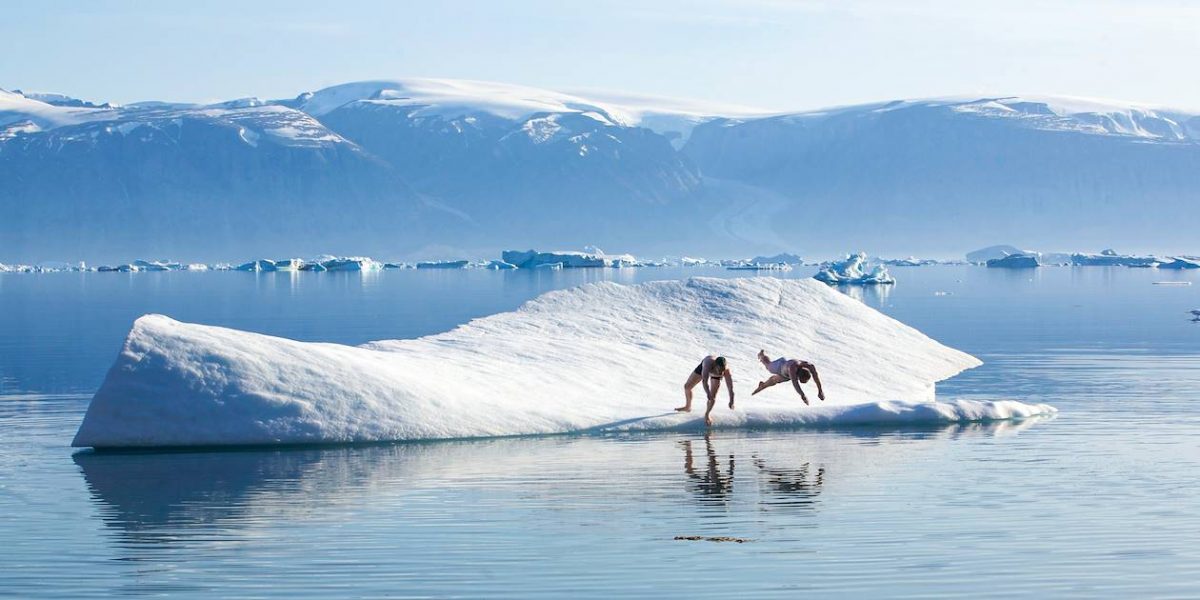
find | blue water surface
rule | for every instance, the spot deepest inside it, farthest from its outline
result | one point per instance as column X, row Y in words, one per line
column 1100, row 501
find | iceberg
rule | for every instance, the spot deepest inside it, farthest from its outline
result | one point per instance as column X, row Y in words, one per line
column 1110, row 258
column 529, row 259
column 564, row 362
column 852, row 271
column 983, row 255
column 289, row 264
column 1180, row 262
column 784, row 258
column 443, row 264
column 757, row 266
column 911, row 261
column 156, row 265
column 257, row 266
column 1015, row 261
column 350, row 263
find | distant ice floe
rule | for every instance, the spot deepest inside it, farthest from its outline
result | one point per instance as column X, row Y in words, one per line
column 1110, row 258
column 782, row 258
column 911, row 261
column 1011, row 257
column 444, row 264
column 530, row 259
column 1015, row 261
column 853, row 271
column 993, row 252
column 740, row 265
column 1181, row 262
column 600, row 357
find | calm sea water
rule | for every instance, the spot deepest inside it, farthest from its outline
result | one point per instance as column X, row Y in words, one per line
column 1101, row 501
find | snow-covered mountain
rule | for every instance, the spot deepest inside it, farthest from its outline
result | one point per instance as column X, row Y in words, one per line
column 927, row 176
column 439, row 168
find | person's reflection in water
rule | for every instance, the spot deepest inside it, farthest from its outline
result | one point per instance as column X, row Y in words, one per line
column 711, row 485
column 797, row 487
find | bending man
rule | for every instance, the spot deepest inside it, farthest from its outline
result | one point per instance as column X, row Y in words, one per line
column 710, row 371
column 796, row 371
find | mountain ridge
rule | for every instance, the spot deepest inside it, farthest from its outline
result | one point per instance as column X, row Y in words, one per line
column 396, row 167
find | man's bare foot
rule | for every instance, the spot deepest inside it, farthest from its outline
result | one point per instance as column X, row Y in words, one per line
column 684, row 409
column 805, row 401
column 708, row 420
column 762, row 385
column 731, row 405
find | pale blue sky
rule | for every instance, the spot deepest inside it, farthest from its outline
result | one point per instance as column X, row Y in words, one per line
column 777, row 54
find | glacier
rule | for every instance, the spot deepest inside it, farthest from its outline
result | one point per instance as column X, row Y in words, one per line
column 600, row 357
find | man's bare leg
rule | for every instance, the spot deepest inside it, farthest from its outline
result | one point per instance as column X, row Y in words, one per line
column 772, row 380
column 687, row 393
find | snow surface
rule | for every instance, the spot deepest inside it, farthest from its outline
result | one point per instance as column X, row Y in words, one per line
column 451, row 99
column 599, row 357
column 1049, row 113
column 16, row 108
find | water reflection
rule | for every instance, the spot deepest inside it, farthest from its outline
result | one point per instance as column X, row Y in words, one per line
column 777, row 483
column 798, row 486
column 709, row 483
column 157, row 499
column 875, row 296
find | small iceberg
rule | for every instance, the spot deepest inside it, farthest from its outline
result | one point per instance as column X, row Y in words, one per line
column 1015, row 261
column 532, row 371
column 983, row 255
column 853, row 271
column 351, row 263
column 757, row 266
column 156, row 265
column 530, row 259
column 257, row 266
column 1180, row 263
column 781, row 258
column 911, row 261
column 443, row 264
column 499, row 265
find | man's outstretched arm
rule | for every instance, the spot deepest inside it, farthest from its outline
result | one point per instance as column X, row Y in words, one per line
column 796, row 384
column 729, row 382
column 816, row 379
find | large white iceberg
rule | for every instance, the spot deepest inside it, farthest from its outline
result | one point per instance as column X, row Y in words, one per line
column 599, row 357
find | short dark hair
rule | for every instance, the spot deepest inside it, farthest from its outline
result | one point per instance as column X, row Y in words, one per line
column 720, row 363
column 803, row 375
